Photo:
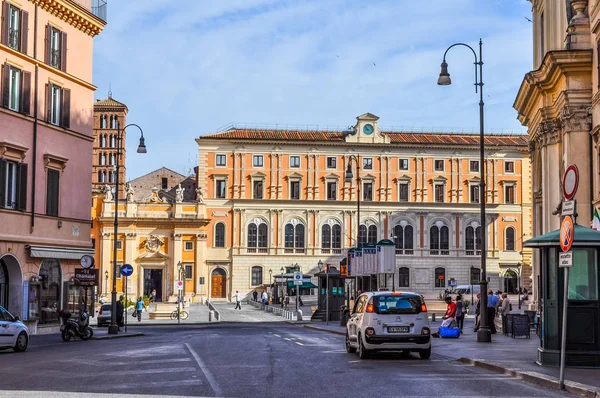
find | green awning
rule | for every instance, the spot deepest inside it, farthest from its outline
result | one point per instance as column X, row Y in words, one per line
column 583, row 237
column 305, row 285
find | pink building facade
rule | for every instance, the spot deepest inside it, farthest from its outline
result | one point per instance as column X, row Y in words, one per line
column 46, row 124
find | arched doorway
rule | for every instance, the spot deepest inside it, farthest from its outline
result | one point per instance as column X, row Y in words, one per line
column 50, row 280
column 218, row 283
column 11, row 284
column 510, row 282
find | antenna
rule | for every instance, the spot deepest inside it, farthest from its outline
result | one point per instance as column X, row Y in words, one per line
column 109, row 90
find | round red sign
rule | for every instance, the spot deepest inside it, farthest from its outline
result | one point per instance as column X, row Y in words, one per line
column 570, row 182
column 567, row 233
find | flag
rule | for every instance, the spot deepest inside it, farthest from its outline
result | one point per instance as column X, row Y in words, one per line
column 596, row 222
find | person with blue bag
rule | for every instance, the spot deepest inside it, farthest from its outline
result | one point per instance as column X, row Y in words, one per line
column 449, row 316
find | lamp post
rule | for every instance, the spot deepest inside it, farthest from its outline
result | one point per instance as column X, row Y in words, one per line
column 483, row 334
column 320, row 265
column 471, row 277
column 281, row 283
column 270, row 277
column 180, row 269
column 106, row 282
column 114, row 328
column 348, row 178
column 519, row 265
column 297, row 267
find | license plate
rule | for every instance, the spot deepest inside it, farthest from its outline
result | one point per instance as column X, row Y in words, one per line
column 398, row 329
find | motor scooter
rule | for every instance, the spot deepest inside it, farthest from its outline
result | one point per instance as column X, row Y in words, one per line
column 72, row 328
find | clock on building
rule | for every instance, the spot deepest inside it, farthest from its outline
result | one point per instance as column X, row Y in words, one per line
column 368, row 129
column 87, row 261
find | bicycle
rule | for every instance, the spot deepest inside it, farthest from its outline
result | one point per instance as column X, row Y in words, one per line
column 183, row 315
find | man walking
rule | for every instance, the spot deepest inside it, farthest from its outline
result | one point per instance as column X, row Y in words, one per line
column 477, row 312
column 255, row 295
column 237, row 300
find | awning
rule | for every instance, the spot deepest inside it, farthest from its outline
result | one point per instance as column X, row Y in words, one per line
column 58, row 252
column 305, row 285
column 583, row 237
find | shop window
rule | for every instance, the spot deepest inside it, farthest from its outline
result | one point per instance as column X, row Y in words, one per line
column 50, row 290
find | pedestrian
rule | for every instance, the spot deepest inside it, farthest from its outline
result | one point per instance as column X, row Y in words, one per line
column 300, row 301
column 265, row 297
column 505, row 308
column 120, row 319
column 477, row 312
column 491, row 310
column 238, row 300
column 460, row 311
column 153, row 296
column 255, row 295
column 448, row 317
column 139, row 307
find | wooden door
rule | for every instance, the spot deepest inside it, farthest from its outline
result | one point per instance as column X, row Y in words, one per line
column 217, row 286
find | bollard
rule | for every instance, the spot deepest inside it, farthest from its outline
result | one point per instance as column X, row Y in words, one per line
column 433, row 317
column 210, row 315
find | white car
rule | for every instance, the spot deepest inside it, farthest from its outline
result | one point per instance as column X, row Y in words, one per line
column 13, row 333
column 389, row 321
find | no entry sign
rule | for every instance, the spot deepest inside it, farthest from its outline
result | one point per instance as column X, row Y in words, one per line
column 570, row 182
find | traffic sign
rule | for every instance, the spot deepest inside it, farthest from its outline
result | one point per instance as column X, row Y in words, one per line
column 567, row 233
column 565, row 260
column 570, row 182
column 126, row 270
column 568, row 208
column 179, row 285
column 297, row 278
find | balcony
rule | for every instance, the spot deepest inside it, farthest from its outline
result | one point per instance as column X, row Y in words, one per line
column 96, row 7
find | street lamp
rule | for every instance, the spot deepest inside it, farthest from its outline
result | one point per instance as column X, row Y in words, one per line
column 297, row 268
column 281, row 284
column 106, row 282
column 483, row 334
column 114, row 328
column 519, row 265
column 320, row 265
column 348, row 178
column 471, row 277
column 270, row 277
column 180, row 270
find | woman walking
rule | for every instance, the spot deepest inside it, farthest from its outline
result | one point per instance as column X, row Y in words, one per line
column 460, row 312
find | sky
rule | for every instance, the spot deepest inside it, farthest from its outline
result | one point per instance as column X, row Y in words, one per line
column 189, row 68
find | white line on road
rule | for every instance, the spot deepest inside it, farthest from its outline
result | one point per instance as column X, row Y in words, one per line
column 285, row 338
column 144, row 385
column 211, row 380
column 299, row 343
column 276, row 335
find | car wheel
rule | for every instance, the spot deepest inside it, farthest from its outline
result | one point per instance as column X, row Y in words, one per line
column 425, row 354
column 22, row 341
column 363, row 353
column 349, row 348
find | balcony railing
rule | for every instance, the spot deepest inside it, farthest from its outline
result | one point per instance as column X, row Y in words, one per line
column 14, row 39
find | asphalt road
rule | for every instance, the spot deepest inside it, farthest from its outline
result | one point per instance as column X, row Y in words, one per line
column 239, row 360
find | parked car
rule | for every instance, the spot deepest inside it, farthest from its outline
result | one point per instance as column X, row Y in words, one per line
column 389, row 321
column 466, row 289
column 13, row 333
column 104, row 314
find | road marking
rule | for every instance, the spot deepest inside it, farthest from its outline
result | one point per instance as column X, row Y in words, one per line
column 142, row 371
column 285, row 338
column 211, row 380
column 299, row 343
column 146, row 384
column 276, row 335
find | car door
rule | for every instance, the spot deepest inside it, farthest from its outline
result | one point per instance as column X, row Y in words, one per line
column 356, row 318
column 5, row 339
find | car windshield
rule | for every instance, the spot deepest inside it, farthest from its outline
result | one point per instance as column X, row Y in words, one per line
column 106, row 307
column 397, row 304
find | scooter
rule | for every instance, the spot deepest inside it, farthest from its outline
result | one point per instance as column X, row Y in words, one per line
column 72, row 328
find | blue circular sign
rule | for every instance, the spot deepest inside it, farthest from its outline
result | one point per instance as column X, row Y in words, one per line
column 126, row 270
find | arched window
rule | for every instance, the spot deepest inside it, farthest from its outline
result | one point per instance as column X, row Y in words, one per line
column 403, row 237
column 336, row 238
column 114, row 122
column 440, row 277
column 294, row 238
column 509, row 240
column 257, row 276
column 439, row 240
column 331, row 238
column 403, row 277
column 102, row 121
column 362, row 235
column 372, row 237
column 220, row 235
column 325, row 238
column 101, row 176
column 113, row 141
column 257, row 237
column 473, row 241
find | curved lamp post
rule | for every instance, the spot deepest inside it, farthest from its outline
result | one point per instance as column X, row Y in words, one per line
column 114, row 328
column 106, row 283
column 348, row 178
column 483, row 334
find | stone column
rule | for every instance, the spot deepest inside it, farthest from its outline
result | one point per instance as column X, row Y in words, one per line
column 137, row 278
column 309, row 186
column 279, row 177
column 272, row 188
column 236, row 187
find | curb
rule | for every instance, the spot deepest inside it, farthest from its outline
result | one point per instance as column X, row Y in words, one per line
column 534, row 377
column 164, row 324
column 339, row 332
column 118, row 336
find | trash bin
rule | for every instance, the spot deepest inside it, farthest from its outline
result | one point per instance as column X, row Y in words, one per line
column 345, row 315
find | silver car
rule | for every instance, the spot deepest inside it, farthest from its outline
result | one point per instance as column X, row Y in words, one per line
column 104, row 314
column 13, row 333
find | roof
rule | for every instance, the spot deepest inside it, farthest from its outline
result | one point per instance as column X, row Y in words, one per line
column 109, row 102
column 159, row 171
column 396, row 138
column 583, row 237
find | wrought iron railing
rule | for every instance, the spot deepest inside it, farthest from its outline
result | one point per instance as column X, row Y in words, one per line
column 14, row 37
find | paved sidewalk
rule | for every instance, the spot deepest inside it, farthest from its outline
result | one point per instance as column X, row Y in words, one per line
column 198, row 314
column 248, row 313
column 504, row 354
column 102, row 334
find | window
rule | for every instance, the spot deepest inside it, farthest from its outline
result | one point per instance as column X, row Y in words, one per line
column 16, row 89
column 257, row 237
column 439, row 193
column 294, row 238
column 367, row 164
column 473, row 241
column 294, row 161
column 221, row 160
column 331, row 190
column 56, row 48
column 294, row 189
column 103, row 141
column 331, row 238
column 52, row 192
column 102, row 176
column 403, row 164
column 14, row 27
column 440, row 277
column 368, row 191
column 438, row 165
column 102, row 158
column 474, row 193
column 362, row 235
column 372, row 234
column 13, row 185
column 257, row 160
column 257, row 189
column 102, row 123
column 474, row 166
column 367, row 235
column 188, row 246
column 119, row 245
column 509, row 240
column 113, row 141
column 189, row 271
column 257, row 276
column 220, row 235
column 509, row 194
column 331, row 162
column 403, row 192
column 58, row 105
column 403, row 277
column 403, row 238
column 509, row 167
column 114, row 122
column 220, row 189
column 583, row 277
column 439, row 241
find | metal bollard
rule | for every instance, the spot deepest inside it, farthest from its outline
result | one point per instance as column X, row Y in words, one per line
column 433, row 317
column 210, row 315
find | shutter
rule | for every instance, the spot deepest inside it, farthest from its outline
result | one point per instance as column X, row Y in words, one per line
column 48, row 104
column 52, row 193
column 63, row 51
column 2, row 182
column 66, row 108
column 22, row 187
column 5, row 19
column 5, row 86
column 47, row 45
column 26, row 93
column 24, row 31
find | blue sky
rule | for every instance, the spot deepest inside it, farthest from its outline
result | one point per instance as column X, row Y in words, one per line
column 186, row 68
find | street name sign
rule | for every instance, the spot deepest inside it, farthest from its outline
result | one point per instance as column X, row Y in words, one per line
column 567, row 233
column 297, row 278
column 568, row 208
column 126, row 270
column 565, row 260
column 87, row 277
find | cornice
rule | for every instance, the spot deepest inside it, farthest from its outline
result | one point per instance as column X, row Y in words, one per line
column 74, row 14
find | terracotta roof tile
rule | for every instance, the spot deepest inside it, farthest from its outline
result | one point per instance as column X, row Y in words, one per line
column 109, row 102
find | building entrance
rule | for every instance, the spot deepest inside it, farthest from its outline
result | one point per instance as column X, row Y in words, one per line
column 218, row 286
column 510, row 282
column 153, row 279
